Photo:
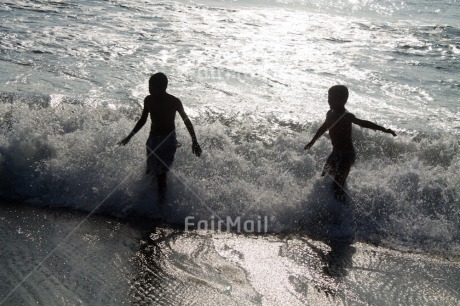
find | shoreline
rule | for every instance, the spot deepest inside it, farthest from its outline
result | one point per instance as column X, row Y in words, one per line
column 146, row 225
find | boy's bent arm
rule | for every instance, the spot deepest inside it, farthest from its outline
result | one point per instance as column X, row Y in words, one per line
column 190, row 129
column 196, row 149
column 322, row 129
column 372, row 126
column 140, row 123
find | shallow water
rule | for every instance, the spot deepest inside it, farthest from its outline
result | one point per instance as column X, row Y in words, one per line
column 59, row 257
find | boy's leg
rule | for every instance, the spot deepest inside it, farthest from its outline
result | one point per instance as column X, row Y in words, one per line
column 341, row 175
column 339, row 184
column 330, row 167
column 160, row 156
column 161, row 181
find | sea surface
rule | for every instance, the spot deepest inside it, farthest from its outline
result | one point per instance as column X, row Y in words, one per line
column 253, row 77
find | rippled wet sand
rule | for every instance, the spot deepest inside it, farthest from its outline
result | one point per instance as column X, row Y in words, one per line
column 107, row 261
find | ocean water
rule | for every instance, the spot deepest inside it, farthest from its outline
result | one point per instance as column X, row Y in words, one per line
column 253, row 77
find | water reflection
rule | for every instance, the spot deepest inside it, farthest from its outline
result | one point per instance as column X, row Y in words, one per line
column 339, row 259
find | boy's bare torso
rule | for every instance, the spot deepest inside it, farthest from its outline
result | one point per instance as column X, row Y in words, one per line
column 339, row 125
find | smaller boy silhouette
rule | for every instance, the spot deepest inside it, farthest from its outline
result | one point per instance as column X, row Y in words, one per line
column 338, row 122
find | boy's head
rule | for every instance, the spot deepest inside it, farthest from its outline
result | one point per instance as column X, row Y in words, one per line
column 337, row 96
column 158, row 83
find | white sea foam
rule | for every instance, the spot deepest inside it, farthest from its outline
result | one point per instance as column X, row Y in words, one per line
column 404, row 191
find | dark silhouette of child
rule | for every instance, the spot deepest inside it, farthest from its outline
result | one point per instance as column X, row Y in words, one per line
column 338, row 122
column 161, row 144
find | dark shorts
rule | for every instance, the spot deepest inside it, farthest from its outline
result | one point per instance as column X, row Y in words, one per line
column 160, row 153
column 338, row 164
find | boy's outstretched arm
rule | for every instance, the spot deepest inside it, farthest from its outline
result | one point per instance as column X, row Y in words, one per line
column 140, row 123
column 322, row 129
column 372, row 126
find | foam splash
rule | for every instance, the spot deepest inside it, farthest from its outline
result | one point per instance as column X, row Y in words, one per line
column 404, row 191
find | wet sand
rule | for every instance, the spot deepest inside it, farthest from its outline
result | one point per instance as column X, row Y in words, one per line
column 109, row 261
